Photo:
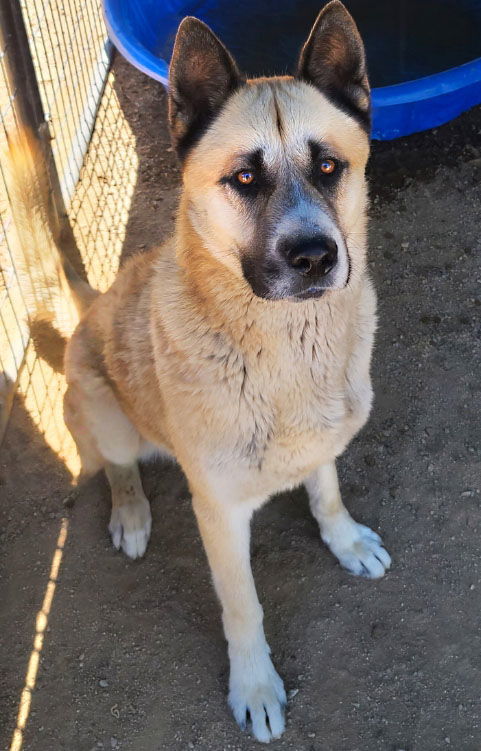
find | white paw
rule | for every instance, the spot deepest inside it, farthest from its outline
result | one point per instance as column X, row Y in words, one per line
column 358, row 548
column 256, row 691
column 130, row 526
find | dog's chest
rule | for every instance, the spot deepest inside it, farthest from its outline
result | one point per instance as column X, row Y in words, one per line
column 281, row 408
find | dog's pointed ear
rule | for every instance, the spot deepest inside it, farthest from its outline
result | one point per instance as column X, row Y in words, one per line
column 202, row 75
column 333, row 60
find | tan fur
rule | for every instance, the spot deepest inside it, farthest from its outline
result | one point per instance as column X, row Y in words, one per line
column 43, row 269
column 250, row 396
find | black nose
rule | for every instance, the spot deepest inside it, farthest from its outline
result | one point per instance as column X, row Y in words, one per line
column 314, row 257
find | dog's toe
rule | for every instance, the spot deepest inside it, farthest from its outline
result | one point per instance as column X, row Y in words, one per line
column 116, row 532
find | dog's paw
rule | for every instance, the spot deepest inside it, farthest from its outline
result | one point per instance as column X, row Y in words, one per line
column 130, row 526
column 358, row 548
column 256, row 692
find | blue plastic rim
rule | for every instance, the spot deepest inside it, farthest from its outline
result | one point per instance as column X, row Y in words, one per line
column 144, row 31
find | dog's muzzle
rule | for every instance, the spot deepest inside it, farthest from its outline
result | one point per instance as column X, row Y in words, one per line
column 299, row 268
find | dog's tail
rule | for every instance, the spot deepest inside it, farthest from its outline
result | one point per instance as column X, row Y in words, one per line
column 43, row 267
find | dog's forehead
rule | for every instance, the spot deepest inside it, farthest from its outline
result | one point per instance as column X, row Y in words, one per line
column 279, row 116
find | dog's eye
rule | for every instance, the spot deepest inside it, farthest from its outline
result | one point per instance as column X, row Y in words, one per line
column 245, row 177
column 328, row 166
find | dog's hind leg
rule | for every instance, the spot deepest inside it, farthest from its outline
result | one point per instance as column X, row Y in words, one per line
column 107, row 439
column 358, row 548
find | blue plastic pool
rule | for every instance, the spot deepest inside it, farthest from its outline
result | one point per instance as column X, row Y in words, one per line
column 424, row 55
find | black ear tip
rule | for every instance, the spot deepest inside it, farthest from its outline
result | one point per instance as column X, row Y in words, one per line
column 335, row 5
column 190, row 21
column 189, row 24
column 335, row 10
column 332, row 4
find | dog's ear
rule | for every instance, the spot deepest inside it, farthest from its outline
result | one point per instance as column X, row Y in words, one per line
column 202, row 74
column 333, row 60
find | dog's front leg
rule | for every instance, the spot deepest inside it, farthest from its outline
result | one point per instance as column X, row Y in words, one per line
column 254, row 685
column 358, row 548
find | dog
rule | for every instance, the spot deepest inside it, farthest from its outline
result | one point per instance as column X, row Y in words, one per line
column 242, row 346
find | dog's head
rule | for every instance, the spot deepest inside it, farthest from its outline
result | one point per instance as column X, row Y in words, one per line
column 273, row 168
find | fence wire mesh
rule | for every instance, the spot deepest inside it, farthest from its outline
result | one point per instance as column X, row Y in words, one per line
column 95, row 163
column 68, row 44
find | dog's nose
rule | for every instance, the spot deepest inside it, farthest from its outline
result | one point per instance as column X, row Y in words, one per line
column 314, row 257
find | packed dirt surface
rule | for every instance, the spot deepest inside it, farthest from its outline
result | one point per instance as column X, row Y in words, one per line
column 133, row 656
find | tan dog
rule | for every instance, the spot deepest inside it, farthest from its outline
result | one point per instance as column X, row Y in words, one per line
column 242, row 346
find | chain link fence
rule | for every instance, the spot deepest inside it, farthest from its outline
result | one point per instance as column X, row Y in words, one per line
column 54, row 78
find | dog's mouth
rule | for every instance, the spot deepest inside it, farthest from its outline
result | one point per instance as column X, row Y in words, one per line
column 287, row 290
column 285, row 286
column 311, row 293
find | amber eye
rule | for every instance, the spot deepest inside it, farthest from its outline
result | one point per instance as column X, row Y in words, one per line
column 245, row 177
column 328, row 166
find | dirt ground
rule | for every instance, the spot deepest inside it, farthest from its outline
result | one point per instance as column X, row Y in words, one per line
column 133, row 655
